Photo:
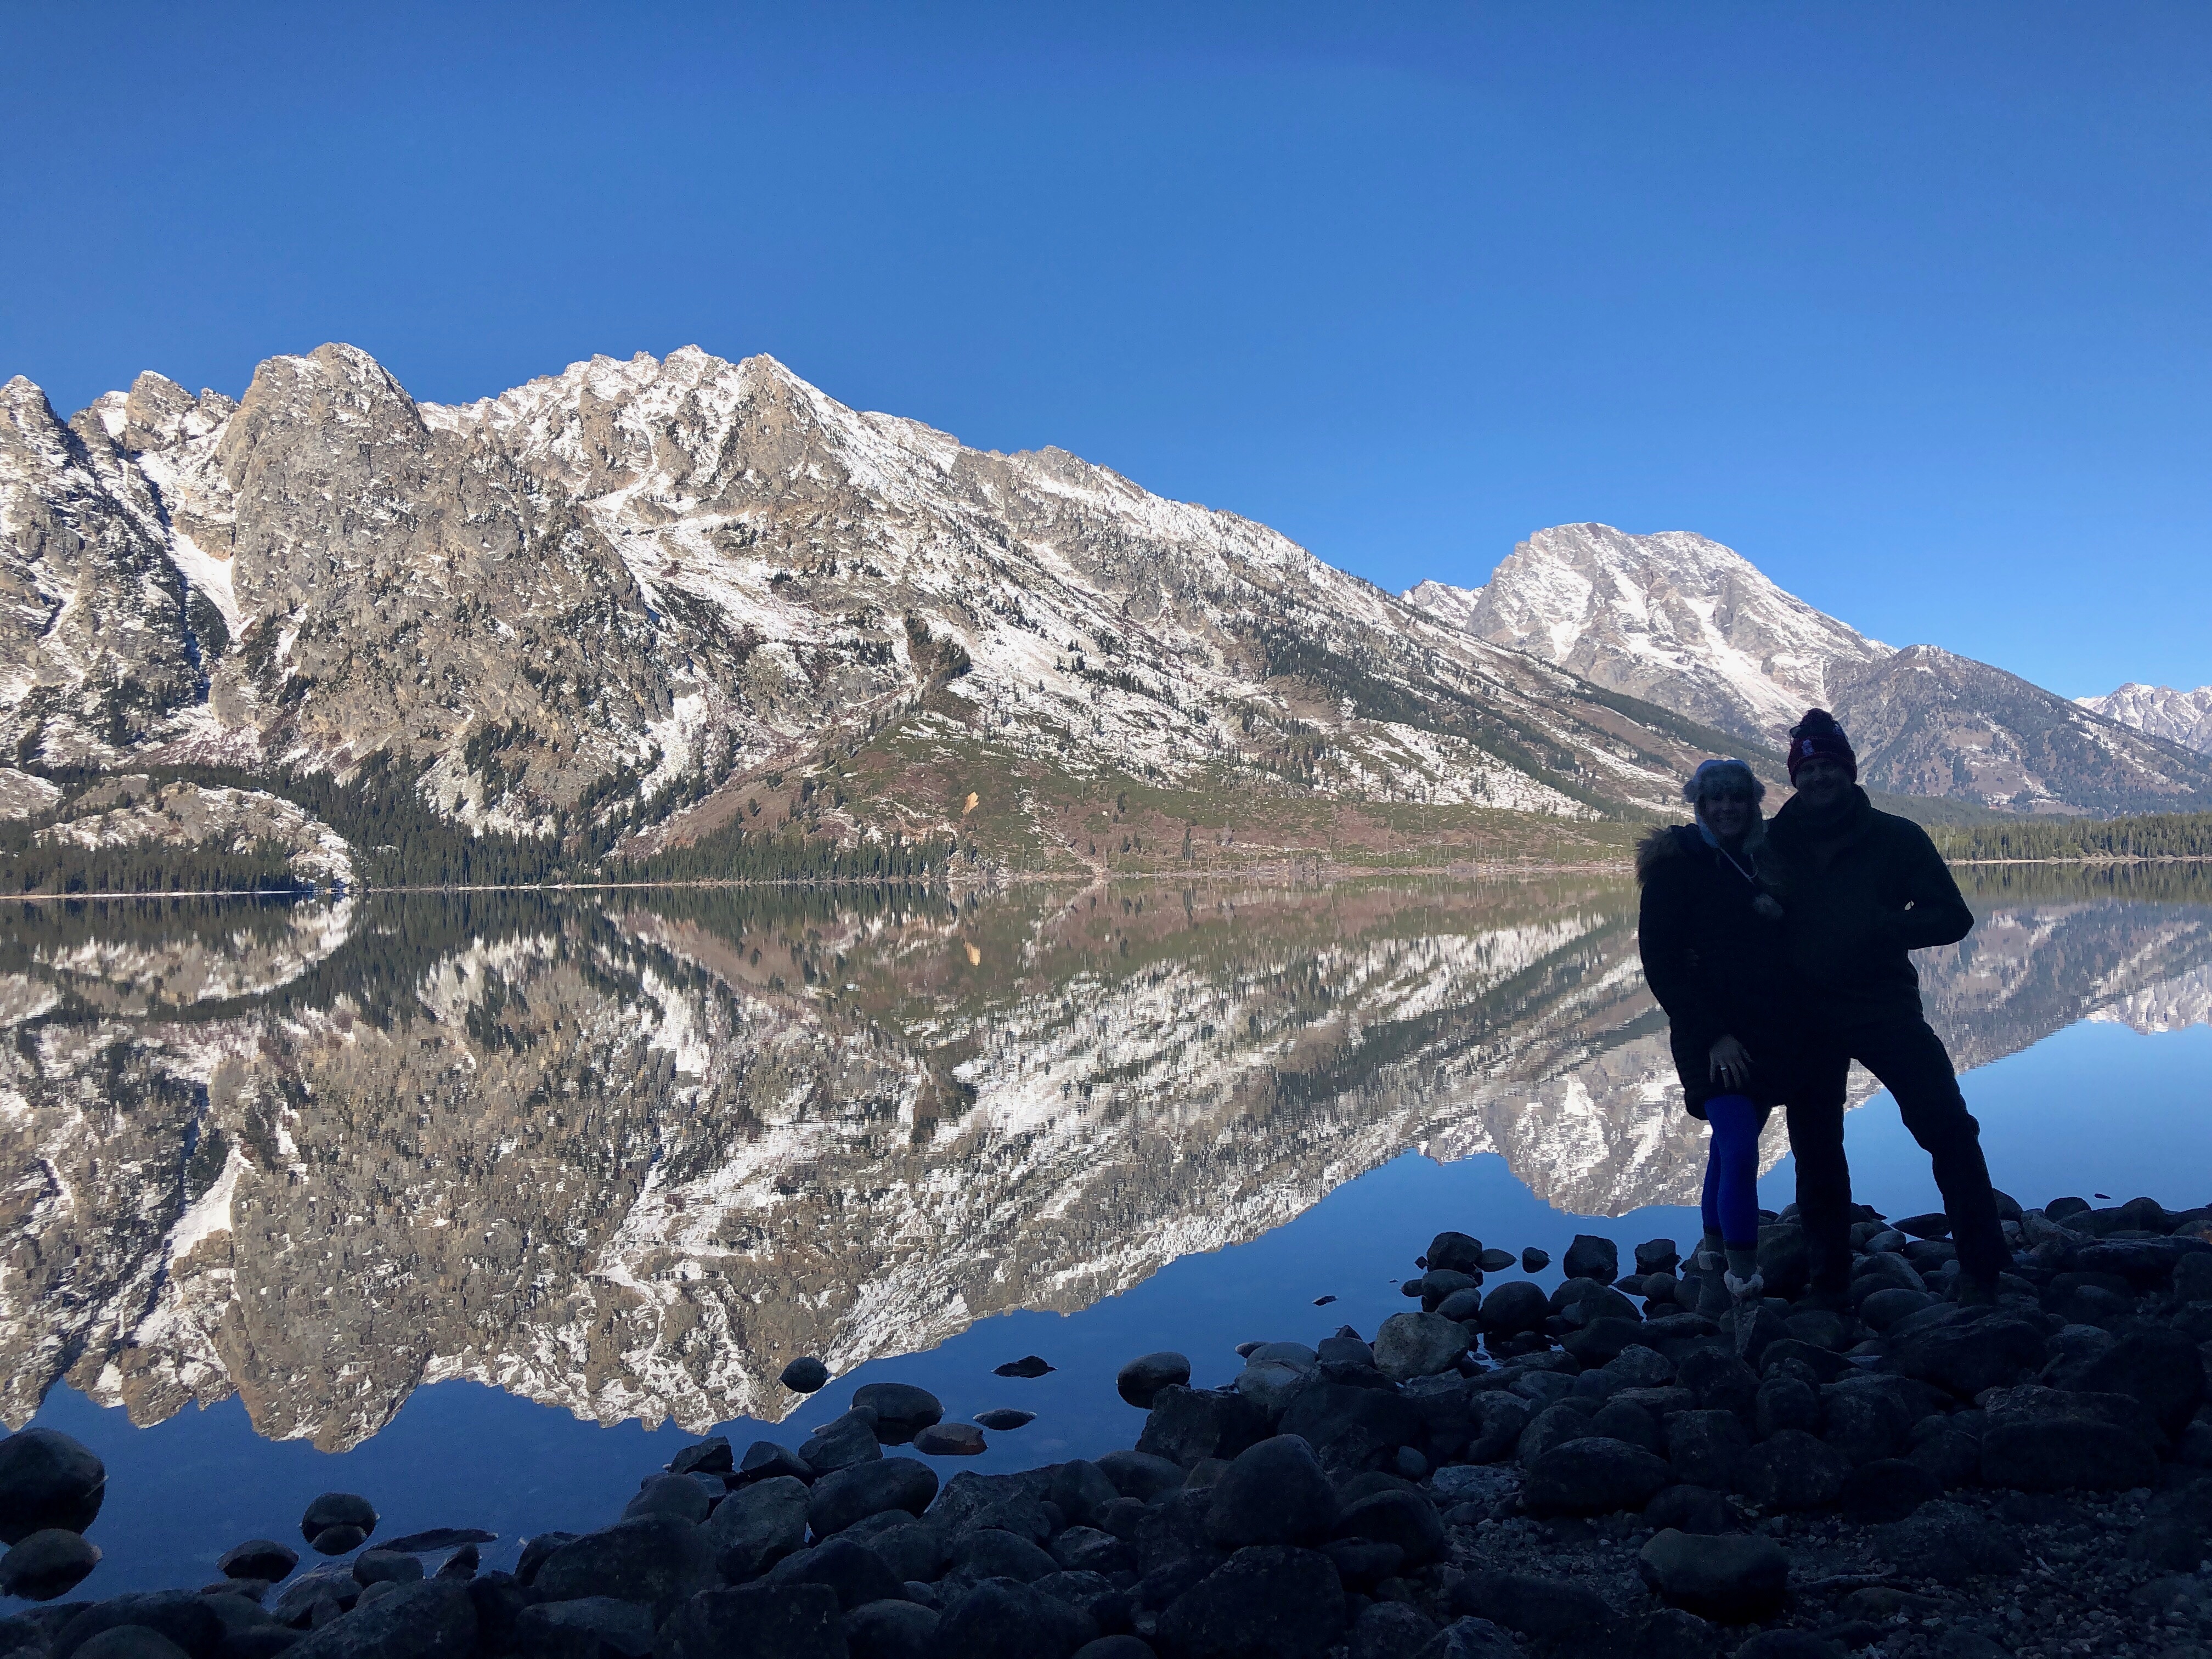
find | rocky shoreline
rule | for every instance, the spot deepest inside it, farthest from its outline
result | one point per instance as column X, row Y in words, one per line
column 1611, row 1469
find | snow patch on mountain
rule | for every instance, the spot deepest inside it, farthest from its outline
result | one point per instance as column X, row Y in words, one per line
column 2182, row 717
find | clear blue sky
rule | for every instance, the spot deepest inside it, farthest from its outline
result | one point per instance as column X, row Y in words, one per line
column 1907, row 303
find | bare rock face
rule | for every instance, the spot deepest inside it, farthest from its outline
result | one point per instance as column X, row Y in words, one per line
column 583, row 606
column 2182, row 717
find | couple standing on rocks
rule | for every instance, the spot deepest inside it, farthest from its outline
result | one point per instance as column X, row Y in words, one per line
column 1778, row 950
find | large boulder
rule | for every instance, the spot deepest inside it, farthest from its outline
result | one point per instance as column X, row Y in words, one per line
column 654, row 1559
column 1269, row 1602
column 1735, row 1578
column 1455, row 1252
column 2160, row 1367
column 891, row 1630
column 1595, row 1476
column 806, row 1375
column 1705, row 1447
column 1412, row 1345
column 46, row 1565
column 47, row 1481
column 1404, row 1520
column 864, row 1489
column 590, row 1626
column 430, row 1619
column 343, row 1513
column 1352, row 1430
column 1188, row 1426
column 1511, row 1308
column 1592, row 1257
column 842, row 1443
column 1140, row 1381
column 854, row 1571
column 1791, row 1470
column 901, row 1410
column 1273, row 1493
column 1966, row 1356
column 757, row 1525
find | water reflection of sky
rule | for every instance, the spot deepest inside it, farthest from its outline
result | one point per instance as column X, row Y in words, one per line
column 2095, row 1105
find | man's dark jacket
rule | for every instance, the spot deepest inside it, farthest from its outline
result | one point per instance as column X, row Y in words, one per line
column 1717, row 967
column 1858, row 891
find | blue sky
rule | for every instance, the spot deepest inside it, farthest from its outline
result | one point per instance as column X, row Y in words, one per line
column 1905, row 302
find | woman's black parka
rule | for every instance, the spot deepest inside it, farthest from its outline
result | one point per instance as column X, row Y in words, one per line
column 1715, row 964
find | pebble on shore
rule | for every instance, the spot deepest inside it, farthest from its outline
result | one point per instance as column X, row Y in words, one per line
column 1594, row 1470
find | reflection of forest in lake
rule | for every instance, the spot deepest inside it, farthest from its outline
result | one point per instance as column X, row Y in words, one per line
column 630, row 1153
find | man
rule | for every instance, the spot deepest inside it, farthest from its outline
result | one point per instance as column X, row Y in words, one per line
column 1859, row 889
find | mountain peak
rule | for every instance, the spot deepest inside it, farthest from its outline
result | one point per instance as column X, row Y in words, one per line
column 2182, row 717
column 1674, row 618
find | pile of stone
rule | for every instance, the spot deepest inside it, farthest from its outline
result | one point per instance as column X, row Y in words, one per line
column 1607, row 1469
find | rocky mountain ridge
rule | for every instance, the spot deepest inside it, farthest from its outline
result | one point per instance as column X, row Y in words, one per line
column 618, row 606
column 1684, row 622
column 2182, row 717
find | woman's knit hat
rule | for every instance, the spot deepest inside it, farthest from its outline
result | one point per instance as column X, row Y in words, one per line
column 1818, row 736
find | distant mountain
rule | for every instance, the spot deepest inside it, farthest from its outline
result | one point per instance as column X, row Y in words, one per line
column 1673, row 618
column 2182, row 717
column 638, row 600
column 1692, row 626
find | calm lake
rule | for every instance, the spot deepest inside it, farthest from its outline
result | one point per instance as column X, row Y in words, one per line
column 482, row 1206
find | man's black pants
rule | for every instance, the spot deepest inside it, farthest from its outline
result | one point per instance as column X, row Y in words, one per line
column 1911, row 1063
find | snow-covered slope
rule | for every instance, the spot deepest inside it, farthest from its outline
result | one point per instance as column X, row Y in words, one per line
column 2182, row 717
column 1673, row 618
column 568, row 610
column 1692, row 626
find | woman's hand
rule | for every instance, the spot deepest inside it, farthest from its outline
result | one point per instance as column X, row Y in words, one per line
column 1731, row 1063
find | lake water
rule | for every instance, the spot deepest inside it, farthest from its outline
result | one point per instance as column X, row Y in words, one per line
column 482, row 1206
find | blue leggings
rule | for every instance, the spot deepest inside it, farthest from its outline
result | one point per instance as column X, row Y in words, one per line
column 1731, row 1200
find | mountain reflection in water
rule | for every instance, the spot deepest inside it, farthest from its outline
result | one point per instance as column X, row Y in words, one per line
column 629, row 1153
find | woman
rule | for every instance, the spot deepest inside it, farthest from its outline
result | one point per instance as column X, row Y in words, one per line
column 1714, row 956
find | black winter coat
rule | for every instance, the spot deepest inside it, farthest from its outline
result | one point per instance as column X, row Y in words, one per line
column 1717, row 967
column 1857, row 895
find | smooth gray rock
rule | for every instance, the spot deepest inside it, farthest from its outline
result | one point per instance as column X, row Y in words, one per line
column 757, row 1525
column 47, row 1481
column 179, row 1617
column 901, row 1410
column 854, row 1571
column 1593, row 1477
column 47, row 1564
column 679, row 1495
column 1411, row 1345
column 1735, row 1578
column 1141, row 1379
column 431, row 1618
column 258, row 1557
column 1273, row 1493
column 654, row 1559
column 842, row 1443
column 1592, row 1257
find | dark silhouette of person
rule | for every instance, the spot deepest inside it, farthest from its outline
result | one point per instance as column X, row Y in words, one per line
column 1715, row 958
column 1860, row 890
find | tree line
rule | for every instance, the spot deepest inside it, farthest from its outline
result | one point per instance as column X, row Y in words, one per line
column 2152, row 835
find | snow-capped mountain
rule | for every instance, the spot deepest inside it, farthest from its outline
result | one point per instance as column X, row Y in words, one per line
column 1673, row 618
column 574, row 608
column 2182, row 717
column 1694, row 627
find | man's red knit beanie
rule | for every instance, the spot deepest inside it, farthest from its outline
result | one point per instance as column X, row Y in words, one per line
column 1818, row 736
